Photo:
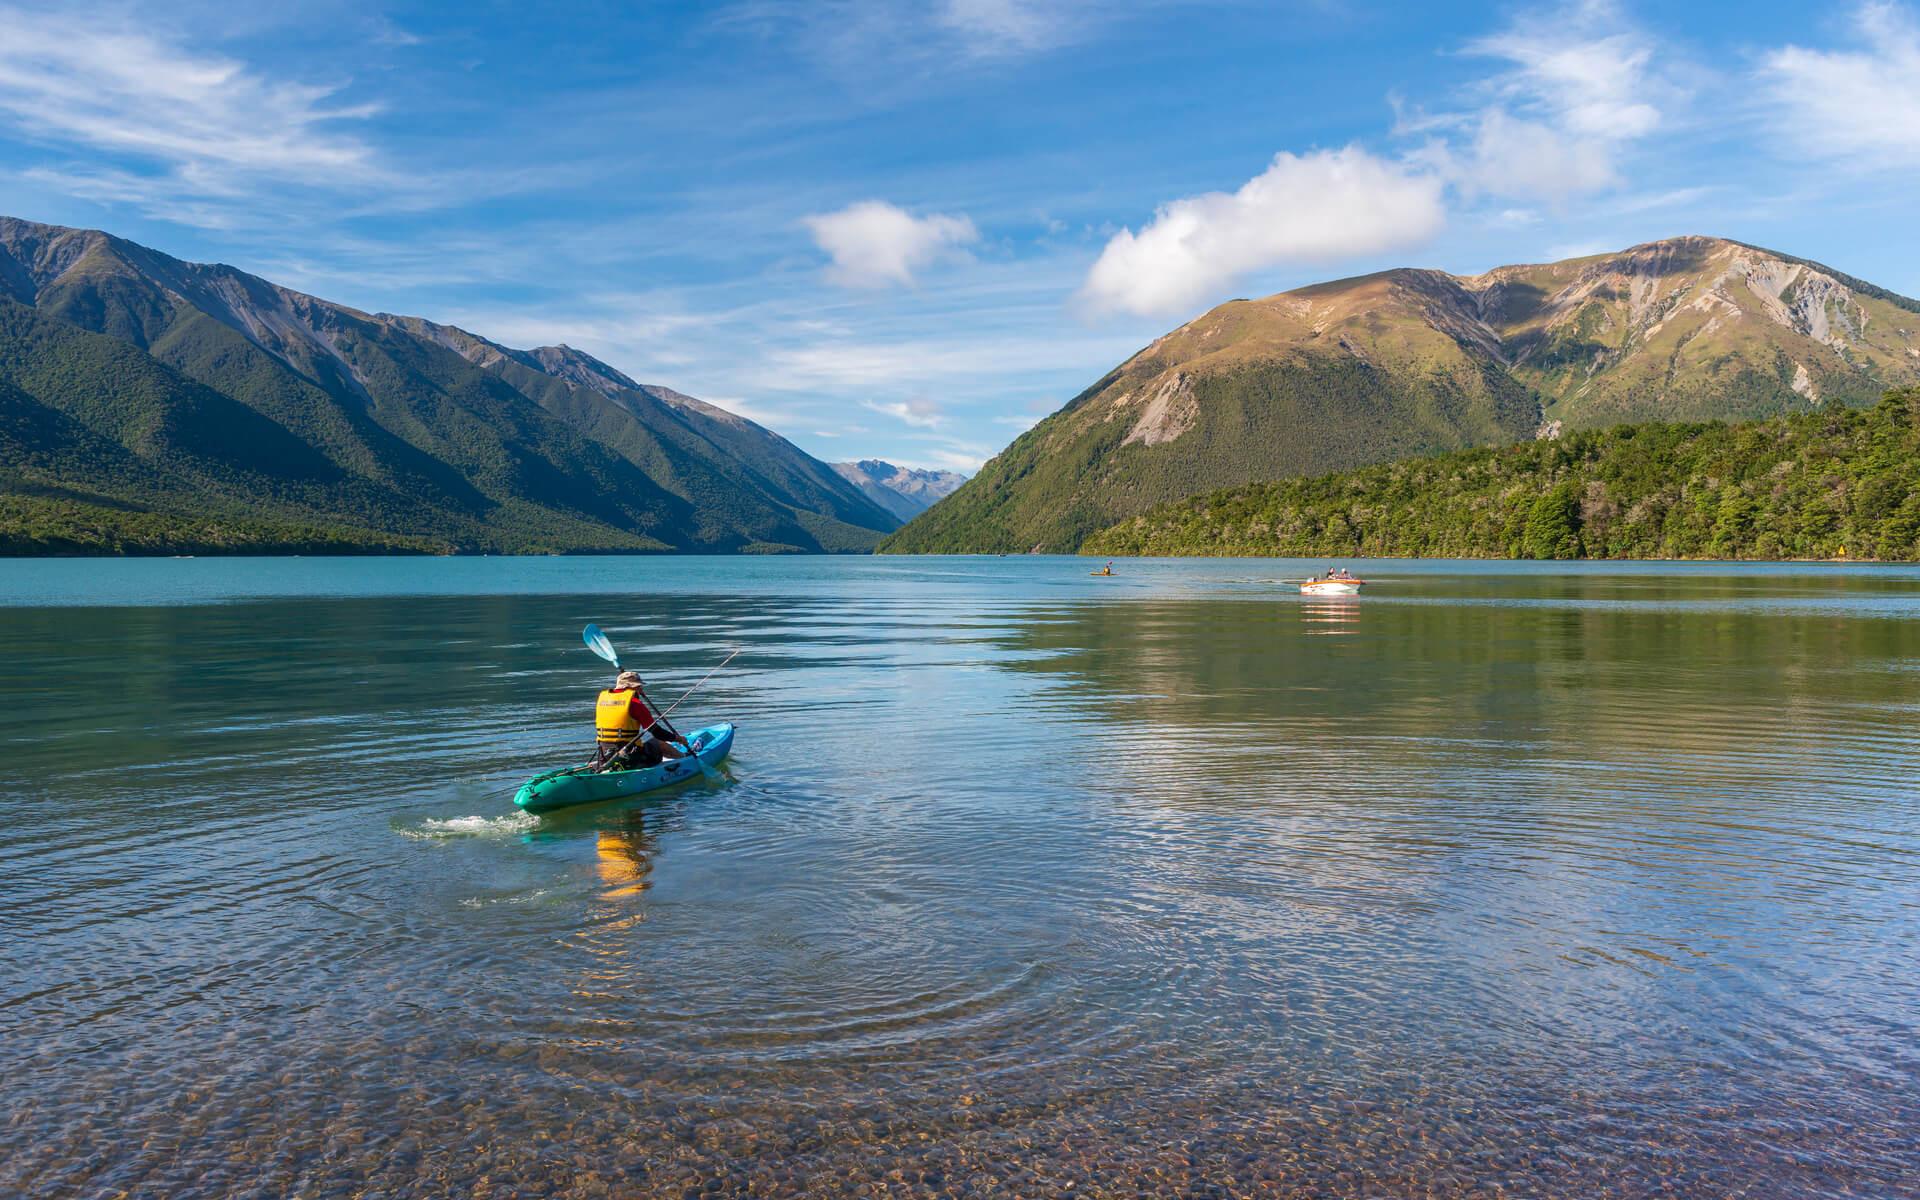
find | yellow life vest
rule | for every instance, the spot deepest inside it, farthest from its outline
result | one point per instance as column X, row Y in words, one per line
column 613, row 719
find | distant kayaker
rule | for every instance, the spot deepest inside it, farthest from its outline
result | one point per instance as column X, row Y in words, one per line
column 626, row 726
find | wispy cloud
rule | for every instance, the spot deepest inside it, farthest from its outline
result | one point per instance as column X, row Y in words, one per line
column 914, row 364
column 1008, row 26
column 192, row 129
column 1588, row 70
column 865, row 34
column 642, row 332
column 964, row 459
column 109, row 186
column 1309, row 208
column 1581, row 249
column 876, row 244
column 1578, row 88
column 917, row 411
column 1858, row 106
column 771, row 417
column 1513, row 156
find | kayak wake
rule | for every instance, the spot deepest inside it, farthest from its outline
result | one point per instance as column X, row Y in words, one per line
column 438, row 828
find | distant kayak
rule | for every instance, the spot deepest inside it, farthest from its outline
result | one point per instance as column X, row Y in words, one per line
column 570, row 786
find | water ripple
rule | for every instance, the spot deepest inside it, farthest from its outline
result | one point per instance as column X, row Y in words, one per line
column 1494, row 880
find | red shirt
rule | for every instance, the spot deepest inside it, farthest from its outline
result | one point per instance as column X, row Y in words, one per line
column 639, row 708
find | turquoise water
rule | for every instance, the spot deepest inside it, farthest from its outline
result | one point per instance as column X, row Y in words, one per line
column 1501, row 878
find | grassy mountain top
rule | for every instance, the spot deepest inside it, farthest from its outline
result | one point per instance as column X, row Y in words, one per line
column 1838, row 482
column 1408, row 361
column 1696, row 328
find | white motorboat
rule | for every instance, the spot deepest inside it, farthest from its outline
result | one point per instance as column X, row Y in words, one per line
column 1332, row 585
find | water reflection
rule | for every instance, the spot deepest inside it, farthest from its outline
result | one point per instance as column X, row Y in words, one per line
column 623, row 853
column 1335, row 615
column 1523, row 882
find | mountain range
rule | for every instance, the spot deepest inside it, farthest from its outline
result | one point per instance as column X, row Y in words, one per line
column 1410, row 361
column 906, row 492
column 153, row 405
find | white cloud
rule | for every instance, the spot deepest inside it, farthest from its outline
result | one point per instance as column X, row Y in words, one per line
column 1564, row 250
column 1307, row 208
column 928, row 363
column 766, row 416
column 1511, row 156
column 886, row 42
column 108, row 186
column 964, row 459
column 1004, row 26
column 1652, row 201
column 875, row 244
column 1861, row 105
column 918, row 411
column 645, row 330
column 209, row 126
column 1587, row 69
column 1580, row 87
column 1514, row 218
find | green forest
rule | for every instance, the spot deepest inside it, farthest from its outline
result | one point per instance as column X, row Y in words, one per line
column 1837, row 482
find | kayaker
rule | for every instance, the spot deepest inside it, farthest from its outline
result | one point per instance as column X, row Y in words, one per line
column 626, row 726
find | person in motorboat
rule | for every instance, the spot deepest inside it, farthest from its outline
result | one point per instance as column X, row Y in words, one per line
column 627, row 732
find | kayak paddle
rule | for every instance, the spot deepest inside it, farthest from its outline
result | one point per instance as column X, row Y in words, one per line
column 598, row 643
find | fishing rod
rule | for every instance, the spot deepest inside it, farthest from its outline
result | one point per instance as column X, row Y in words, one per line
column 696, row 687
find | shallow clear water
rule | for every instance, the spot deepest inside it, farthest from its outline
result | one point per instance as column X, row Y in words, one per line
column 1501, row 878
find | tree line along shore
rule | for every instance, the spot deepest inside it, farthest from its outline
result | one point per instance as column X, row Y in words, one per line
column 1832, row 483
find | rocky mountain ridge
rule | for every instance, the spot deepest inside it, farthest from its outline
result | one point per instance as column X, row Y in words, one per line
column 906, row 492
column 1410, row 361
column 408, row 433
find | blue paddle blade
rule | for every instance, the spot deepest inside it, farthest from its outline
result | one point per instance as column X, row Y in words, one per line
column 598, row 643
column 712, row 775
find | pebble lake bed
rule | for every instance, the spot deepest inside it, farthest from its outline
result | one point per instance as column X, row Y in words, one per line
column 1528, row 879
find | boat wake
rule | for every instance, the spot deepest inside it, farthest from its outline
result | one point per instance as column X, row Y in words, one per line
column 506, row 825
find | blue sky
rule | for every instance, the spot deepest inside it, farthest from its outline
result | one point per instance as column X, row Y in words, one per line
column 908, row 230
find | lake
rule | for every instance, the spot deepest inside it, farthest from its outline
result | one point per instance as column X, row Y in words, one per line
column 1528, row 879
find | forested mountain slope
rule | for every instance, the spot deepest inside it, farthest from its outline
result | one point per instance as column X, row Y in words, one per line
column 1840, row 482
column 150, row 404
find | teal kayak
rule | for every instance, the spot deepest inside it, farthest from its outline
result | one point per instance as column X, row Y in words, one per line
column 583, row 785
